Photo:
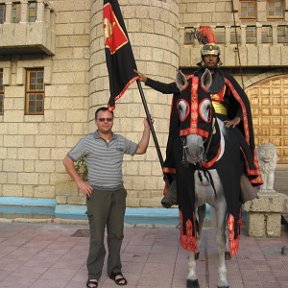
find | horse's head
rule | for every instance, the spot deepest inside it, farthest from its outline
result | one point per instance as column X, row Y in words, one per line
column 197, row 123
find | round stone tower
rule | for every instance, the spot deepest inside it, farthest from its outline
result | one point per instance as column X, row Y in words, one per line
column 153, row 29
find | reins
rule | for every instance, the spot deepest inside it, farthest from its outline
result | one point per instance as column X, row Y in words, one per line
column 207, row 175
column 198, row 166
column 209, row 139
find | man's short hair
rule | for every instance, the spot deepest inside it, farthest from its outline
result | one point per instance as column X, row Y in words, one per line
column 103, row 109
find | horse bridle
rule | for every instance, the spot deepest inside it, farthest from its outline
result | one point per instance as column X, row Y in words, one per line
column 206, row 150
column 198, row 166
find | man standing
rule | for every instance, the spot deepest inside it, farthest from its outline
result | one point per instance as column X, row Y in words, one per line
column 103, row 152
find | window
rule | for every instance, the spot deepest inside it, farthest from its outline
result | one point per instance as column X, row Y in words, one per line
column 275, row 9
column 251, row 34
column 1, row 93
column 34, row 98
column 16, row 12
column 2, row 13
column 32, row 11
column 248, row 9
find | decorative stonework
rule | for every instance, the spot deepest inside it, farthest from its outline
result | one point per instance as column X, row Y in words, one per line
column 264, row 213
column 267, row 156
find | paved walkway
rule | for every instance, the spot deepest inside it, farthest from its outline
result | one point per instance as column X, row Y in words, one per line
column 48, row 256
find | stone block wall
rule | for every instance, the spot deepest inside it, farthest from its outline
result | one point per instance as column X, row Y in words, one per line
column 264, row 214
column 33, row 146
column 76, row 84
column 153, row 32
column 205, row 12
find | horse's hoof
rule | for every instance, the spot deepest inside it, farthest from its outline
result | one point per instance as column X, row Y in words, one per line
column 227, row 257
column 196, row 255
column 192, row 283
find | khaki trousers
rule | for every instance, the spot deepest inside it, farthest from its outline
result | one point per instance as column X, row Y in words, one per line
column 105, row 209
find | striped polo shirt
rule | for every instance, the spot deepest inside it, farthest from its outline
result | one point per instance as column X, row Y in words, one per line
column 103, row 158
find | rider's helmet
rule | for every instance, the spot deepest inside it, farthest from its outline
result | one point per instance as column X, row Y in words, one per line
column 206, row 36
column 210, row 49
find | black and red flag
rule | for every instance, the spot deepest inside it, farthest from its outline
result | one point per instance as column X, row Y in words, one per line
column 121, row 62
column 119, row 55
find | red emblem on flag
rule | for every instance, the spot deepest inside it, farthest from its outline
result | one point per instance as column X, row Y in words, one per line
column 115, row 37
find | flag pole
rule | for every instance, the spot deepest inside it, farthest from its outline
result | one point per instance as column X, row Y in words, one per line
column 157, row 146
column 119, row 58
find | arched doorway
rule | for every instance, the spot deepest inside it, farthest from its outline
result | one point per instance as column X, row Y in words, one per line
column 269, row 103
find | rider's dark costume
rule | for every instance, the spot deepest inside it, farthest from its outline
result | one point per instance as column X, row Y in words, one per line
column 229, row 100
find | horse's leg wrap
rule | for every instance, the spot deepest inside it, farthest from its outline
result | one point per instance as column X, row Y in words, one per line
column 221, row 243
column 227, row 248
column 192, row 267
column 222, row 277
column 222, row 266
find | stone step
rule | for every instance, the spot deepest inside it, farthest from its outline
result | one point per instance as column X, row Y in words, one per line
column 26, row 207
column 30, row 208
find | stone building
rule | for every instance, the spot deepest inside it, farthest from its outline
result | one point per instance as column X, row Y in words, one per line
column 53, row 77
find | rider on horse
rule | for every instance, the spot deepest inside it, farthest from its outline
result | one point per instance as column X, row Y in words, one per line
column 229, row 101
column 232, row 106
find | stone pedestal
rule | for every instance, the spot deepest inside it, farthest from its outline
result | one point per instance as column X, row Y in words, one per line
column 264, row 214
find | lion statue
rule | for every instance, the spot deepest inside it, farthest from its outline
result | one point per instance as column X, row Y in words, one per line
column 267, row 156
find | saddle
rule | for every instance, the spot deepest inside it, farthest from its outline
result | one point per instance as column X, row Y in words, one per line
column 248, row 192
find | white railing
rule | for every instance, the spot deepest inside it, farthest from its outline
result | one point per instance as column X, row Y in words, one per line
column 272, row 33
column 42, row 6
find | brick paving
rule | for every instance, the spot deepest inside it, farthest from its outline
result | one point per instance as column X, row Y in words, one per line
column 48, row 256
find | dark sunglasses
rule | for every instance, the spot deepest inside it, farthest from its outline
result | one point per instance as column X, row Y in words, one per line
column 105, row 119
